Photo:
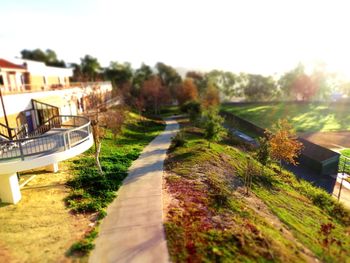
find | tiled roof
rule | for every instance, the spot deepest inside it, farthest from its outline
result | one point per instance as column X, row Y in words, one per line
column 7, row 64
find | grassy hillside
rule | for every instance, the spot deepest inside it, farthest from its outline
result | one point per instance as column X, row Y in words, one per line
column 304, row 117
column 211, row 219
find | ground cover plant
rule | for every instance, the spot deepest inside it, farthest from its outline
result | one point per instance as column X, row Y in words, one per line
column 92, row 192
column 211, row 219
column 305, row 117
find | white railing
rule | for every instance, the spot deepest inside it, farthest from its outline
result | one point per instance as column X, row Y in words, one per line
column 68, row 132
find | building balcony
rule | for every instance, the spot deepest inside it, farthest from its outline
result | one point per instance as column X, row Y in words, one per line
column 66, row 137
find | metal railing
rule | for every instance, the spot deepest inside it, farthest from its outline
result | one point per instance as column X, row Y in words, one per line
column 66, row 132
column 10, row 133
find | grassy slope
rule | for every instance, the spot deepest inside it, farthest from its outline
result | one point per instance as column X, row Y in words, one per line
column 304, row 117
column 212, row 220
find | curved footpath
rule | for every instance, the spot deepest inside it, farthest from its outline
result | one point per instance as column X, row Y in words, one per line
column 133, row 229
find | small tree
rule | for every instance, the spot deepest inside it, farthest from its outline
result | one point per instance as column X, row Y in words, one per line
column 283, row 142
column 263, row 153
column 98, row 134
column 194, row 110
column 114, row 121
column 214, row 130
column 248, row 175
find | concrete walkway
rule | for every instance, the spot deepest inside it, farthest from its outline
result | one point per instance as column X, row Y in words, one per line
column 133, row 229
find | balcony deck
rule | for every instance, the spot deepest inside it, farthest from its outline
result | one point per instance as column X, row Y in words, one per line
column 72, row 132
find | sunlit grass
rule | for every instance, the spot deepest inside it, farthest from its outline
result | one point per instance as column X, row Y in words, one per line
column 304, row 117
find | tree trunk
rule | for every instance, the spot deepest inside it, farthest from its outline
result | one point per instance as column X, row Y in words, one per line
column 97, row 154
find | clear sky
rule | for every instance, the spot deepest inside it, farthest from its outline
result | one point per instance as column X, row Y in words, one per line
column 259, row 36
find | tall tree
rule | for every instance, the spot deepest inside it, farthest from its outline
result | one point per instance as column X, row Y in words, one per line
column 141, row 74
column 187, row 91
column 90, row 67
column 226, row 82
column 169, row 77
column 322, row 82
column 78, row 75
column 259, row 88
column 199, row 79
column 287, row 80
column 304, row 87
column 119, row 73
column 49, row 57
column 154, row 94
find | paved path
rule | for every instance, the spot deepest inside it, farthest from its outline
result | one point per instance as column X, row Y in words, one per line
column 133, row 229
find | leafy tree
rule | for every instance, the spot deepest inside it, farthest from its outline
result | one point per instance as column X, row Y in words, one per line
column 226, row 82
column 154, row 94
column 90, row 68
column 321, row 81
column 214, row 130
column 119, row 73
column 169, row 77
column 49, row 57
column 283, row 143
column 78, row 75
column 141, row 74
column 187, row 91
column 304, row 87
column 199, row 79
column 286, row 81
column 259, row 88
column 194, row 110
column 263, row 153
column 211, row 98
column 296, row 84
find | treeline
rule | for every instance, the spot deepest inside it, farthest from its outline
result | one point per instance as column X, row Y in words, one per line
column 152, row 87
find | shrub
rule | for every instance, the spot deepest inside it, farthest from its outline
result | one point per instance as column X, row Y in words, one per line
column 194, row 110
column 212, row 122
column 178, row 140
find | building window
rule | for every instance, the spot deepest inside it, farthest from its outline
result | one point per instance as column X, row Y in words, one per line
column 1, row 81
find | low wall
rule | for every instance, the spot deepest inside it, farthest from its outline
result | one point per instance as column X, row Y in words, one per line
column 316, row 157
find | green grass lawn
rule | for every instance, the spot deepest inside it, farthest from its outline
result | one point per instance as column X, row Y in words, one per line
column 304, row 117
column 213, row 221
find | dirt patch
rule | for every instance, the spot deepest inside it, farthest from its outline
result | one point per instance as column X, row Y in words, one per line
column 331, row 140
column 5, row 255
column 40, row 228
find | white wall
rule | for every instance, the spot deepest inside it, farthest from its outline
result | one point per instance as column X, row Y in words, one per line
column 18, row 102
